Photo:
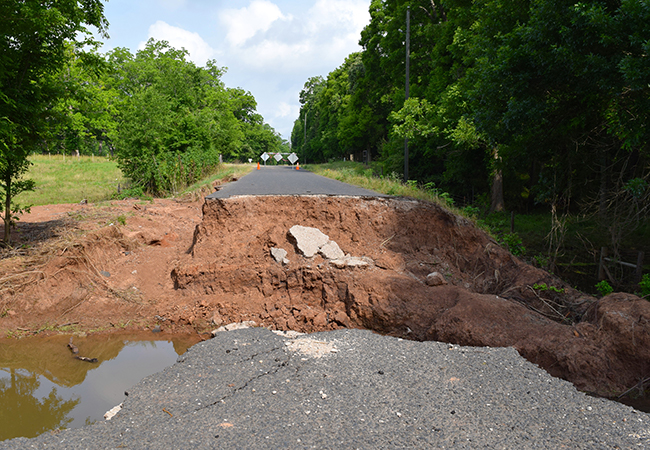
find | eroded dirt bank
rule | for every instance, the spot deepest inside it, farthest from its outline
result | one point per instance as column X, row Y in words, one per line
column 165, row 264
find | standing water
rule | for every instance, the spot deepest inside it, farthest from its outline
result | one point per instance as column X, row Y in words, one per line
column 43, row 387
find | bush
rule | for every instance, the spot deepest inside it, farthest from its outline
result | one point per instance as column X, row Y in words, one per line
column 644, row 284
column 604, row 288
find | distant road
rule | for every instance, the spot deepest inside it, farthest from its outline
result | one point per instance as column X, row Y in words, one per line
column 286, row 180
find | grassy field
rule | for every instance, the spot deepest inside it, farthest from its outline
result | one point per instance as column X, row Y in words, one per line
column 71, row 180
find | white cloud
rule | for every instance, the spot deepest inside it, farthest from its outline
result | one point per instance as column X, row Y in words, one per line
column 273, row 53
column 245, row 23
column 320, row 40
column 200, row 51
column 276, row 56
column 328, row 14
column 287, row 110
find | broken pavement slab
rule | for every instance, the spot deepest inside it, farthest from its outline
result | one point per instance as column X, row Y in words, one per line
column 308, row 240
column 351, row 261
column 331, row 250
column 235, row 326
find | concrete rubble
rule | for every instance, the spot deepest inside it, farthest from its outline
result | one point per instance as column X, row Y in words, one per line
column 280, row 255
column 311, row 241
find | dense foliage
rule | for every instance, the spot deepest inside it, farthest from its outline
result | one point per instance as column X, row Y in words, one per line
column 523, row 103
column 33, row 41
column 166, row 121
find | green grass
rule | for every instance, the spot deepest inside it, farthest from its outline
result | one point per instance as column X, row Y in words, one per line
column 70, row 180
column 360, row 175
column 224, row 171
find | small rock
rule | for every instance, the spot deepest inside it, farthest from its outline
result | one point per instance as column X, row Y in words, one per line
column 279, row 254
column 355, row 261
column 157, row 329
column 436, row 279
column 106, row 274
column 216, row 318
column 289, row 334
column 114, row 410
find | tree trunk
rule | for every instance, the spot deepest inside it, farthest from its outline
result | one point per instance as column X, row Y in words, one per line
column 497, row 203
column 7, row 216
column 602, row 192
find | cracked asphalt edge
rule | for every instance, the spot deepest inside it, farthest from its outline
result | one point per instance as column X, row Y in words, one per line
column 255, row 389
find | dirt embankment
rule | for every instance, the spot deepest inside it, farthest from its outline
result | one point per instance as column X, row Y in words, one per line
column 166, row 264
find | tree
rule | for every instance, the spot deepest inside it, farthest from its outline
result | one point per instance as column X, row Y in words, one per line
column 175, row 119
column 26, row 413
column 306, row 127
column 33, row 37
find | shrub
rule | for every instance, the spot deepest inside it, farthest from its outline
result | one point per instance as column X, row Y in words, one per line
column 604, row 288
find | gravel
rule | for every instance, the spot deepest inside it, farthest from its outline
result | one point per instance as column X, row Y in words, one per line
column 252, row 388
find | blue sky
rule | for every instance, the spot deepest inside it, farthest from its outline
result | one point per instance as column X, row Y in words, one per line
column 269, row 47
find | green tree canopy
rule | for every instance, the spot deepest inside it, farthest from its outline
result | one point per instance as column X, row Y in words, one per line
column 33, row 41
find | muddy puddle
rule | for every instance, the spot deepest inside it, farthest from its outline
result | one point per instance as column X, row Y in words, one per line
column 44, row 388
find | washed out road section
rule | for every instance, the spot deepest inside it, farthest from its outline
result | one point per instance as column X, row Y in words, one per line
column 286, row 180
column 253, row 388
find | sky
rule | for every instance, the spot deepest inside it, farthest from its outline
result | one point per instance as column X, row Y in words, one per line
column 270, row 48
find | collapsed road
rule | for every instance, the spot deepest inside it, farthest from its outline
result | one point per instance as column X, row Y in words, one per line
column 252, row 388
column 482, row 296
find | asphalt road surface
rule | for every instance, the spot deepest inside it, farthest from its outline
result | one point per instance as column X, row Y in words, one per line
column 252, row 388
column 286, row 180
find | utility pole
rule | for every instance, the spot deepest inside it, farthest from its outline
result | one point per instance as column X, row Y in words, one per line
column 304, row 141
column 408, row 58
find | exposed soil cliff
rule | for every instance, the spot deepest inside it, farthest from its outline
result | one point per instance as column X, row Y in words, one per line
column 167, row 264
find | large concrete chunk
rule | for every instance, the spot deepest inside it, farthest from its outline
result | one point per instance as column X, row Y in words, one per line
column 308, row 240
column 331, row 250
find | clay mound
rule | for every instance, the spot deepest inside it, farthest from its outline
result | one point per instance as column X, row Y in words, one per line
column 489, row 299
column 96, row 267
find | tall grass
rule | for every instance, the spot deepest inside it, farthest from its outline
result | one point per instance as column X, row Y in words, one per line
column 363, row 176
column 66, row 179
column 224, row 171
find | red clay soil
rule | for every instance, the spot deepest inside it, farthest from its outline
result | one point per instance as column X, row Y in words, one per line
column 130, row 264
